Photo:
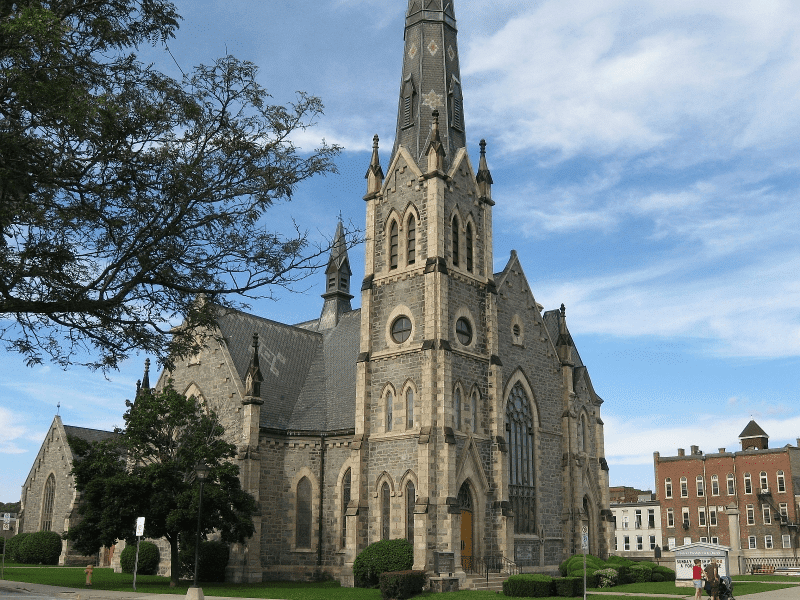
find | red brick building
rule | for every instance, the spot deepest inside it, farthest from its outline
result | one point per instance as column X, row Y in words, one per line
column 748, row 499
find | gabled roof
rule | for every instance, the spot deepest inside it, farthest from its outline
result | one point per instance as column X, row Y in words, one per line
column 309, row 376
column 752, row 430
column 90, row 435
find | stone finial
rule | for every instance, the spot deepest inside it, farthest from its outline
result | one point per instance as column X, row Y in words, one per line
column 254, row 377
column 484, row 177
column 435, row 150
column 146, row 378
column 374, row 174
column 563, row 311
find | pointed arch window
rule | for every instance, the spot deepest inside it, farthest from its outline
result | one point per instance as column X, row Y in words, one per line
column 346, row 482
column 385, row 511
column 303, row 522
column 469, row 247
column 410, row 501
column 474, row 400
column 581, row 434
column 521, row 489
column 455, row 241
column 409, row 408
column 49, row 499
column 389, row 410
column 411, row 240
column 457, row 408
column 393, row 245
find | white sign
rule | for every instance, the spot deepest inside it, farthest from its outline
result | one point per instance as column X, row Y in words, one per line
column 7, row 517
column 6, row 526
column 585, row 542
column 139, row 526
column 585, row 529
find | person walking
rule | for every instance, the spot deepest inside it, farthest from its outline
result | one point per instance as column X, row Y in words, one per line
column 712, row 576
column 697, row 578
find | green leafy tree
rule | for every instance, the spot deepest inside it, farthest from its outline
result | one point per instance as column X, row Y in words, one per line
column 149, row 471
column 126, row 194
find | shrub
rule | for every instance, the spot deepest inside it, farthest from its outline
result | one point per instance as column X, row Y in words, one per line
column 658, row 577
column 640, row 573
column 607, row 577
column 591, row 577
column 401, row 584
column 568, row 586
column 529, row 586
column 149, row 558
column 40, row 548
column 624, row 574
column 13, row 545
column 619, row 560
column 211, row 563
column 667, row 573
column 380, row 557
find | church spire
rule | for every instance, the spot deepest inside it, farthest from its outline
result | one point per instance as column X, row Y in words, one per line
column 337, row 282
column 431, row 81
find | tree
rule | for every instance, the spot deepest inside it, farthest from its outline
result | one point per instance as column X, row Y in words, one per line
column 149, row 471
column 125, row 194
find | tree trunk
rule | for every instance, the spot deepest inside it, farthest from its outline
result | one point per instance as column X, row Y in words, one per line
column 175, row 563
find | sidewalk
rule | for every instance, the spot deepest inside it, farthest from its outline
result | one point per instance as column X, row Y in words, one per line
column 35, row 591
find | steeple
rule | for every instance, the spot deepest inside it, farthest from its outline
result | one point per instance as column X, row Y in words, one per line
column 431, row 81
column 337, row 282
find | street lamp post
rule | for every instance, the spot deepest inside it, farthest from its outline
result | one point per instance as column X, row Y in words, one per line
column 201, row 470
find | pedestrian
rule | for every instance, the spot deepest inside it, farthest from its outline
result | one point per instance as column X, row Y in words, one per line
column 697, row 578
column 712, row 576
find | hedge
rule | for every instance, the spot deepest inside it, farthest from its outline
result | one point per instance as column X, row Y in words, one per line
column 381, row 557
column 568, row 586
column 667, row 573
column 40, row 548
column 640, row 573
column 212, row 561
column 149, row 557
column 400, row 585
column 529, row 586
column 13, row 545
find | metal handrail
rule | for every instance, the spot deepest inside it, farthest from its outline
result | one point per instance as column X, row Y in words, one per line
column 488, row 564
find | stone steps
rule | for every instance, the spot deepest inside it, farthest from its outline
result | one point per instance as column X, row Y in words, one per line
column 494, row 583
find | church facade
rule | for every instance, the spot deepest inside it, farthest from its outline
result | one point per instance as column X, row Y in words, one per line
column 449, row 409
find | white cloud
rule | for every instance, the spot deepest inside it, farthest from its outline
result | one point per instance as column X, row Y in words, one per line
column 13, row 430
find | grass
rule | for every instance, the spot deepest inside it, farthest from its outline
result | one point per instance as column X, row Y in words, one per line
column 769, row 578
column 106, row 579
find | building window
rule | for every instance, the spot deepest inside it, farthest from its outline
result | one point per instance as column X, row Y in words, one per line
column 469, row 247
column 454, row 228
column 389, row 410
column 410, row 501
column 303, row 525
column 685, row 514
column 411, row 240
column 684, row 488
column 701, row 516
column 714, row 485
column 714, row 540
column 731, row 484
column 409, row 408
column 700, row 488
column 712, row 516
column 639, row 543
column 703, row 539
column 474, row 410
column 768, row 542
column 751, row 515
column 767, row 514
column 457, row 408
column 385, row 511
column 49, row 498
column 393, row 245
column 671, row 543
column 638, row 519
column 668, row 488
column 687, row 540
column 625, row 521
column 781, row 482
column 346, row 481
column 783, row 508
column 764, row 481
column 626, row 543
column 616, row 543
column 751, row 542
column 748, row 484
column 401, row 329
column 521, row 489
column 463, row 331
column 651, row 518
column 670, row 517
column 652, row 542
column 787, row 541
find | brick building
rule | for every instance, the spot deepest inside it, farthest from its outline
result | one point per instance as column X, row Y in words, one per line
column 748, row 499
column 449, row 409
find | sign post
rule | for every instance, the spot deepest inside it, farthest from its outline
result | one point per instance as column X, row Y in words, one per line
column 6, row 527
column 584, row 547
column 139, row 534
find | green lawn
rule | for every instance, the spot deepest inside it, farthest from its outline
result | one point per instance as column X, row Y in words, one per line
column 106, row 579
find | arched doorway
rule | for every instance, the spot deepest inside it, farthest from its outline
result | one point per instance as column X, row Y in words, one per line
column 465, row 505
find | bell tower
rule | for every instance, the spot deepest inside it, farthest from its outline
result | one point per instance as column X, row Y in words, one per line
column 427, row 405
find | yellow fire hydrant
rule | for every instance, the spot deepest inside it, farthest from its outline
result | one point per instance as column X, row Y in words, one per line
column 88, row 570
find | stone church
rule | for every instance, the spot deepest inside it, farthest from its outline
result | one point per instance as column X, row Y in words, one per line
column 448, row 409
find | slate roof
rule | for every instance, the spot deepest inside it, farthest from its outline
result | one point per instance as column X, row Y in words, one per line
column 90, row 435
column 751, row 430
column 309, row 376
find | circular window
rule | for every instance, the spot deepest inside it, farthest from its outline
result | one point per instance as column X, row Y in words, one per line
column 464, row 331
column 516, row 330
column 401, row 329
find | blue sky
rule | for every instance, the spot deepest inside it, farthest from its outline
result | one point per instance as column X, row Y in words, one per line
column 645, row 160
